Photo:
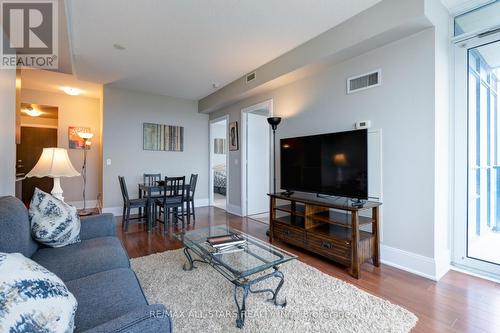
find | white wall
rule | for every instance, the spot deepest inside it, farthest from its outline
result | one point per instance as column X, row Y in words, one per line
column 442, row 132
column 124, row 113
column 258, row 167
column 403, row 107
column 74, row 111
column 7, row 131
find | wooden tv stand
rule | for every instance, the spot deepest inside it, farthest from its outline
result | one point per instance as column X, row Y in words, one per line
column 328, row 227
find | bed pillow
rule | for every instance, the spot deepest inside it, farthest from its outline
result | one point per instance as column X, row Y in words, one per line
column 32, row 299
column 54, row 223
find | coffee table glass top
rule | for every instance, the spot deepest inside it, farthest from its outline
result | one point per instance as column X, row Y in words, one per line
column 252, row 257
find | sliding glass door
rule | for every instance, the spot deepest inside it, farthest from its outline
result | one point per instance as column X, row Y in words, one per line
column 477, row 218
column 483, row 218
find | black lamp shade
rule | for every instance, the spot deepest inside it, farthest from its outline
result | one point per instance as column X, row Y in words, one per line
column 274, row 122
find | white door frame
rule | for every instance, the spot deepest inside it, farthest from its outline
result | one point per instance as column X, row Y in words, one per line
column 461, row 162
column 211, row 153
column 268, row 104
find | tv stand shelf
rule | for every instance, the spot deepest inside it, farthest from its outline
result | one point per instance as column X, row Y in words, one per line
column 309, row 222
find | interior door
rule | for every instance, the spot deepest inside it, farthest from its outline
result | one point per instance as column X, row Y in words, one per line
column 33, row 140
column 477, row 175
column 258, row 164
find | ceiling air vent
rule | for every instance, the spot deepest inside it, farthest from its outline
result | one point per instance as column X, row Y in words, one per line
column 365, row 81
column 250, row 77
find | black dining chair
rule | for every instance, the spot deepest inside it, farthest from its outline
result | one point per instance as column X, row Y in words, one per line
column 129, row 204
column 173, row 199
column 152, row 178
column 189, row 197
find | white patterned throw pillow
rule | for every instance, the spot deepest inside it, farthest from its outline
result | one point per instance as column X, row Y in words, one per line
column 53, row 222
column 32, row 299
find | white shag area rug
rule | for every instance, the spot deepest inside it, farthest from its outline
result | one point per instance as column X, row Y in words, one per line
column 201, row 300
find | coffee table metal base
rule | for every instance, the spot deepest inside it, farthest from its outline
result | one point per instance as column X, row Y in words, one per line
column 245, row 285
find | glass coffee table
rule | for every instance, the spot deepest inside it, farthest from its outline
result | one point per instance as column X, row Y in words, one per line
column 244, row 265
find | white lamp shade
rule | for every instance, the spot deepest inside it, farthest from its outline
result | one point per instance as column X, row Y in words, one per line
column 54, row 163
column 85, row 135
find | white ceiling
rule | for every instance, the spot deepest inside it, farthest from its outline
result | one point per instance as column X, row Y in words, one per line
column 181, row 47
column 53, row 82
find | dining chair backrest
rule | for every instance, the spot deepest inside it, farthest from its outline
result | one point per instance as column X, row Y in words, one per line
column 192, row 183
column 174, row 186
column 123, row 188
column 151, row 178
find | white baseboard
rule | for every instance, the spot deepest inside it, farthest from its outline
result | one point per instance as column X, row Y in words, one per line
column 118, row 211
column 472, row 272
column 427, row 267
column 79, row 204
column 201, row 202
column 443, row 264
column 233, row 209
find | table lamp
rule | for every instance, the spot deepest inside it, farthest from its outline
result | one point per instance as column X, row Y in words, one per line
column 54, row 163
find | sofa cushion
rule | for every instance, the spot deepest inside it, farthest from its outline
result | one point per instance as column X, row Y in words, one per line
column 146, row 319
column 94, row 226
column 54, row 223
column 105, row 296
column 32, row 299
column 15, row 232
column 85, row 258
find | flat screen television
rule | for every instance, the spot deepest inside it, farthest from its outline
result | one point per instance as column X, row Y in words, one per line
column 332, row 164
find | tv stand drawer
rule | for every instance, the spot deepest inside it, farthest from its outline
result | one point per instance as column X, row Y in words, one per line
column 289, row 234
column 338, row 250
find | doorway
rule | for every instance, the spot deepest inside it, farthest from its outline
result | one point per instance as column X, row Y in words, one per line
column 477, row 164
column 38, row 131
column 219, row 162
column 256, row 161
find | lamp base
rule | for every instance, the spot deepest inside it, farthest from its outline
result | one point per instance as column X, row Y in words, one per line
column 57, row 189
column 85, row 212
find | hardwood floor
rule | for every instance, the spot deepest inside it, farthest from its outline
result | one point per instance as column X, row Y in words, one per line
column 457, row 303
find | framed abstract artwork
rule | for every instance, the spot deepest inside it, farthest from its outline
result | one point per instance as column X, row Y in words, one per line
column 160, row 137
column 220, row 146
column 233, row 136
column 74, row 140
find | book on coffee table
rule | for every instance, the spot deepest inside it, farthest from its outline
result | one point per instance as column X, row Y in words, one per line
column 226, row 241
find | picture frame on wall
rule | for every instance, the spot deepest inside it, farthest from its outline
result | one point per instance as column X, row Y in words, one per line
column 159, row 137
column 74, row 140
column 233, row 136
column 220, row 146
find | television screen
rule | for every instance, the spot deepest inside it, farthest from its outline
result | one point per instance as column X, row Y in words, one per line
column 333, row 164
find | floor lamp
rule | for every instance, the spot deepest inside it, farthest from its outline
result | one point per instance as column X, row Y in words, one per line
column 86, row 146
column 274, row 122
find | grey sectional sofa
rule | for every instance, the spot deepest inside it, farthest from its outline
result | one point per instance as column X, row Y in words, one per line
column 97, row 272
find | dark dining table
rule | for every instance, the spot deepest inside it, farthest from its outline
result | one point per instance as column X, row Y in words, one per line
column 147, row 191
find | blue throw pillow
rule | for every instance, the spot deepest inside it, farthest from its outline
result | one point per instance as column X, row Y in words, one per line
column 32, row 299
column 53, row 222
